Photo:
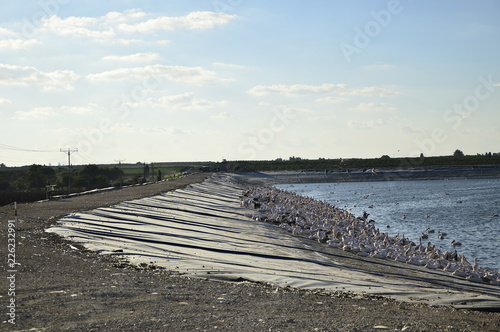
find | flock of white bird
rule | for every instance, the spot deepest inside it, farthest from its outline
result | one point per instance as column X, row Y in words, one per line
column 340, row 229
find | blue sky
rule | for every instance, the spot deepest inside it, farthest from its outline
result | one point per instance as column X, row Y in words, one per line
column 238, row 79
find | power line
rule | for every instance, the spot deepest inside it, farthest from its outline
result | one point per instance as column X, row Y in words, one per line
column 14, row 148
column 87, row 158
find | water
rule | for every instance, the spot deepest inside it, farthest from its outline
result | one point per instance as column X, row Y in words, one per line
column 464, row 209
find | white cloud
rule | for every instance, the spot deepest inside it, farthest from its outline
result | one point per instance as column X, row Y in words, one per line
column 39, row 113
column 370, row 124
column 193, row 21
column 83, row 27
column 185, row 101
column 6, row 32
column 292, row 90
column 5, row 101
column 27, row 76
column 113, row 25
column 145, row 57
column 228, row 65
column 371, row 91
column 79, row 109
column 373, row 107
column 127, row 15
column 193, row 75
column 162, row 42
column 331, row 100
column 296, row 90
column 42, row 113
column 17, row 44
column 125, row 41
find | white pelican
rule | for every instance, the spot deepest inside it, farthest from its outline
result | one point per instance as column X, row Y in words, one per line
column 460, row 273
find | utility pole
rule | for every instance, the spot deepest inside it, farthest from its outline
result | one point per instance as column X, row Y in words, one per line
column 152, row 172
column 120, row 167
column 69, row 152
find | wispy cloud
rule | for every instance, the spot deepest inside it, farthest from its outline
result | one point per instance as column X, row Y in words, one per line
column 97, row 28
column 125, row 16
column 39, row 113
column 185, row 101
column 200, row 20
column 373, row 107
column 113, row 25
column 297, row 90
column 228, row 65
column 4, row 32
column 27, row 76
column 90, row 108
column 192, row 75
column 43, row 113
column 137, row 57
column 5, row 101
column 331, row 100
column 17, row 44
column 79, row 27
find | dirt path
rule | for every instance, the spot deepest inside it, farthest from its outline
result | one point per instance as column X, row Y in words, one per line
column 59, row 288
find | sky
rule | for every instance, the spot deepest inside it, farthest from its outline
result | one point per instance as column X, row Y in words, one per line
column 207, row 80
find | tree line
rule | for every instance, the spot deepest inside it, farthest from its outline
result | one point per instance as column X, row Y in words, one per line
column 40, row 176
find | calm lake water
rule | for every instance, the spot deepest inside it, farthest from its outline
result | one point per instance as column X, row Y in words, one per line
column 465, row 209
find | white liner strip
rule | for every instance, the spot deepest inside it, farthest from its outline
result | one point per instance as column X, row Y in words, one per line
column 203, row 232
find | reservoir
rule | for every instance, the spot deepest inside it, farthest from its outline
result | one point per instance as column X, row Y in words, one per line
column 468, row 211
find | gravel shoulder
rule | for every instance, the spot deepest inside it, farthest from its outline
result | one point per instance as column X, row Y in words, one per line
column 60, row 288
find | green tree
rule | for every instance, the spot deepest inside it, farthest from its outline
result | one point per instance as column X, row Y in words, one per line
column 38, row 176
column 93, row 177
column 4, row 185
column 458, row 153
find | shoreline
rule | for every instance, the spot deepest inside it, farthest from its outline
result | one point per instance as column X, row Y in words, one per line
column 369, row 175
column 98, row 290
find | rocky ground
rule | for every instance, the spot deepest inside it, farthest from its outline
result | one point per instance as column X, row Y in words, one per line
column 60, row 286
